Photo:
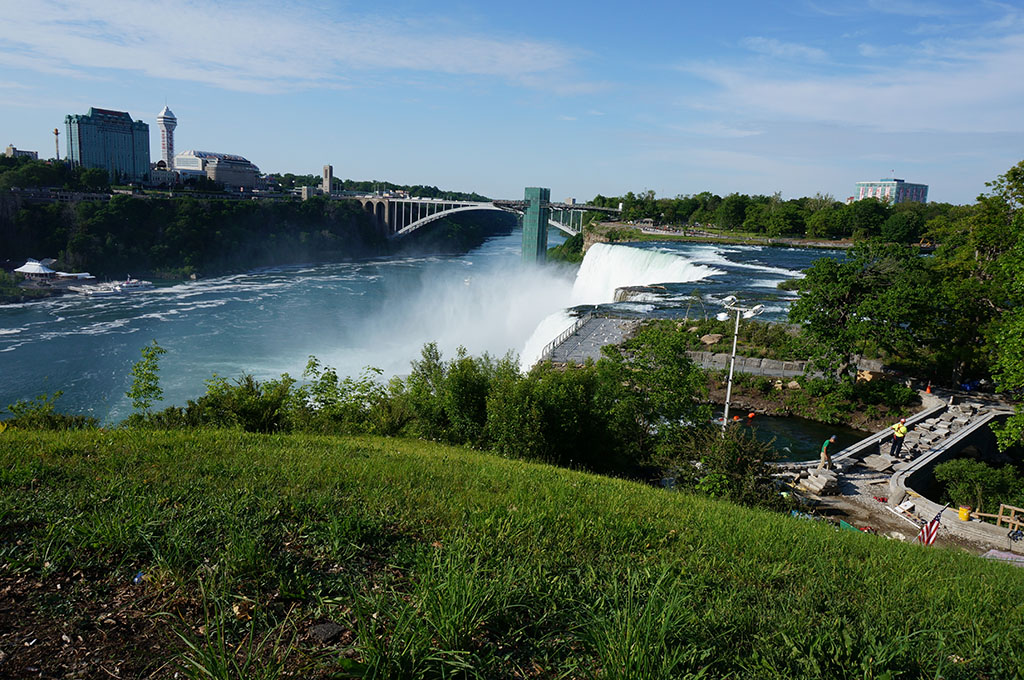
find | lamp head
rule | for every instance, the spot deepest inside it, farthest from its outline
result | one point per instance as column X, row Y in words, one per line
column 754, row 311
column 722, row 316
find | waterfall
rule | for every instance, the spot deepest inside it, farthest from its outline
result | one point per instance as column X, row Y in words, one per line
column 605, row 268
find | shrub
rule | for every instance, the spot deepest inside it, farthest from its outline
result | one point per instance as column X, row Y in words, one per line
column 973, row 483
column 254, row 406
column 40, row 414
column 731, row 465
column 448, row 400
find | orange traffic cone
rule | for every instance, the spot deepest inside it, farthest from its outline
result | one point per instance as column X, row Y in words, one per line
column 928, row 390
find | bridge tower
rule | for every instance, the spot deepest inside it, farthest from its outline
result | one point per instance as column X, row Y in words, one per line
column 535, row 224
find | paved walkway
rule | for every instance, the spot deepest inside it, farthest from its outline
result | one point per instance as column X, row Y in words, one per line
column 587, row 341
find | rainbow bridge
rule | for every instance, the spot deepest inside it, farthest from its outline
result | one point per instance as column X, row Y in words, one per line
column 400, row 216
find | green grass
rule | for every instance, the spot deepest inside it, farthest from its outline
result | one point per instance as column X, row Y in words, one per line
column 442, row 562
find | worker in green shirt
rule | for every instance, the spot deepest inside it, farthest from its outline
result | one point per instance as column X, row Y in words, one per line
column 826, row 458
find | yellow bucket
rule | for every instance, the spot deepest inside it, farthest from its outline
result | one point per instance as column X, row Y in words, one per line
column 965, row 513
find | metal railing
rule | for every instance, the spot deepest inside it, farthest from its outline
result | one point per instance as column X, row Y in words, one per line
column 549, row 349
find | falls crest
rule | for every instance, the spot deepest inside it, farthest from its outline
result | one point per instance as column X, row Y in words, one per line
column 605, row 268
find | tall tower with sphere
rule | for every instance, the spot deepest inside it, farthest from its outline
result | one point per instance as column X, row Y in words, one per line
column 167, row 122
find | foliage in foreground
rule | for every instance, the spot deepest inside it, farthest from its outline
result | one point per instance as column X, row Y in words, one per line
column 440, row 562
column 611, row 416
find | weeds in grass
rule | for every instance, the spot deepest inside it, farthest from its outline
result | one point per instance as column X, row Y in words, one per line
column 644, row 627
column 260, row 650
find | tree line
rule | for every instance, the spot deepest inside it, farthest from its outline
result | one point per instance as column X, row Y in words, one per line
column 187, row 235
column 288, row 181
column 819, row 216
column 22, row 172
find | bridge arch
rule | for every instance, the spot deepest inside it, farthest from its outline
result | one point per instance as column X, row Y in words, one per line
column 445, row 211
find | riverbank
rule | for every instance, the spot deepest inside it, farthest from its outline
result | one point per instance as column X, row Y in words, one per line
column 623, row 231
column 360, row 556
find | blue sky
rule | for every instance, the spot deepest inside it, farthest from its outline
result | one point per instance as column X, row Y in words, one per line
column 583, row 97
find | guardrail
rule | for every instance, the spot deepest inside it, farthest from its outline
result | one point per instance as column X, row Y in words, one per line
column 549, row 348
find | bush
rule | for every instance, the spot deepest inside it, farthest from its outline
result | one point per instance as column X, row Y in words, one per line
column 40, row 414
column 448, row 400
column 973, row 483
column 731, row 465
column 569, row 251
column 266, row 407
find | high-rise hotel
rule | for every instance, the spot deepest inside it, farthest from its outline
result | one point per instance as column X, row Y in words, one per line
column 892, row 191
column 111, row 141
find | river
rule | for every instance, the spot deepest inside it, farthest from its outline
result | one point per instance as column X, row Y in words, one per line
column 375, row 312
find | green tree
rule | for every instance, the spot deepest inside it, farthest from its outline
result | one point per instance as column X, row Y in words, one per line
column 876, row 297
column 1004, row 209
column 902, row 227
column 973, row 483
column 867, row 216
column 731, row 212
column 145, row 387
column 94, row 179
column 664, row 391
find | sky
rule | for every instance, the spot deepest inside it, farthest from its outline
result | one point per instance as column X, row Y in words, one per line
column 586, row 98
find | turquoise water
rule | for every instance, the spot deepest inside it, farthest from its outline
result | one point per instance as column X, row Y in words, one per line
column 799, row 439
column 376, row 312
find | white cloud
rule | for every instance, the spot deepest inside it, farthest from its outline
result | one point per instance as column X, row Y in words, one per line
column 911, row 8
column 255, row 47
column 783, row 50
column 953, row 86
column 872, row 51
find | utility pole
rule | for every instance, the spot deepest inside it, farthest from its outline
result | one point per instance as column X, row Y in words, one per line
column 56, row 142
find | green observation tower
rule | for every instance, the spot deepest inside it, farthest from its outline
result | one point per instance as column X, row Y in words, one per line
column 535, row 224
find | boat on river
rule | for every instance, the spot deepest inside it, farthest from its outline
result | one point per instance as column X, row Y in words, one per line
column 129, row 285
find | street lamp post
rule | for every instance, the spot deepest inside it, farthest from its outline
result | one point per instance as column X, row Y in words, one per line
column 746, row 313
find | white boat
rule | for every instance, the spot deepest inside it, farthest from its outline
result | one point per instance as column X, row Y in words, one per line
column 130, row 284
column 99, row 290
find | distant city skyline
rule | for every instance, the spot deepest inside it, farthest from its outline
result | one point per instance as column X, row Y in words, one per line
column 585, row 98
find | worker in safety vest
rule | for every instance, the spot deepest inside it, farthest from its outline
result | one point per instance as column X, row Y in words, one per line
column 899, row 433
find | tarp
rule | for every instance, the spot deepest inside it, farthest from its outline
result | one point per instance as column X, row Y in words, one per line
column 1003, row 556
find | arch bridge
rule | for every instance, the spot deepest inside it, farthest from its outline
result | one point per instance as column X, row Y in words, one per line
column 399, row 216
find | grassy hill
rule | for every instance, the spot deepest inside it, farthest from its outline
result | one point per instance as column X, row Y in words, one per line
column 222, row 554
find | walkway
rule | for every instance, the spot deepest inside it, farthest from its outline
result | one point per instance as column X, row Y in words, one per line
column 590, row 337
